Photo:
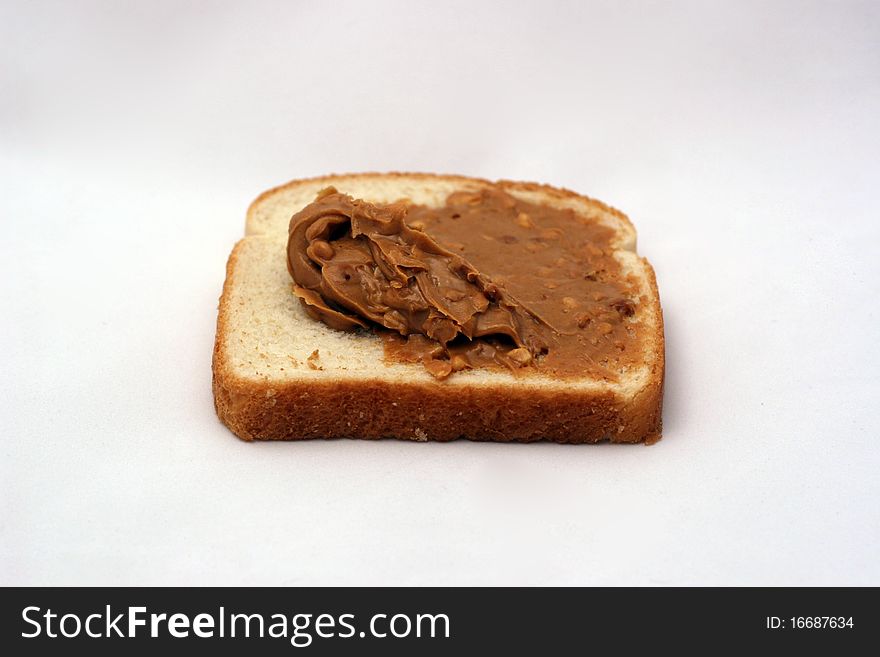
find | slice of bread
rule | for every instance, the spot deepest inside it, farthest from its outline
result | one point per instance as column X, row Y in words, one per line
column 281, row 375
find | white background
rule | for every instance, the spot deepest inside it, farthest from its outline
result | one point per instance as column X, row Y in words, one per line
column 742, row 138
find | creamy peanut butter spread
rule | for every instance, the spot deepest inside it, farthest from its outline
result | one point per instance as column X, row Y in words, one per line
column 487, row 280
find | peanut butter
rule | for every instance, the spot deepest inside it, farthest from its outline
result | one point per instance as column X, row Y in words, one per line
column 487, row 280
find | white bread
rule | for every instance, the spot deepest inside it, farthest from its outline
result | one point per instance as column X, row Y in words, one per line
column 278, row 374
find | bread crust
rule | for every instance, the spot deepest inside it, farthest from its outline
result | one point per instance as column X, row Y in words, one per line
column 339, row 179
column 256, row 409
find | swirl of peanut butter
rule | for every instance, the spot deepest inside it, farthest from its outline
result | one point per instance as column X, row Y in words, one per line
column 356, row 265
column 486, row 280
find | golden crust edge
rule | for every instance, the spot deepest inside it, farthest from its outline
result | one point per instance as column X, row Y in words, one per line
column 558, row 192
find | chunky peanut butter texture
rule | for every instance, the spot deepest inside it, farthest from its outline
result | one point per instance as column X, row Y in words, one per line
column 487, row 280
